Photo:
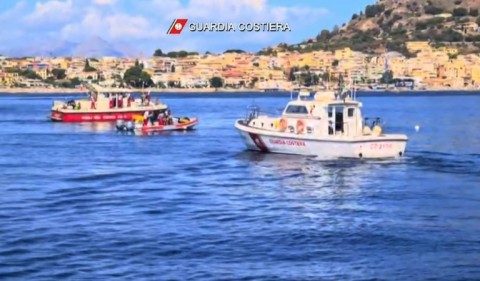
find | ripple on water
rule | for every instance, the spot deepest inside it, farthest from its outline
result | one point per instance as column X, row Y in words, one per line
column 82, row 202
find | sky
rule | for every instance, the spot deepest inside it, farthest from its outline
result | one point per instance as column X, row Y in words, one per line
column 143, row 24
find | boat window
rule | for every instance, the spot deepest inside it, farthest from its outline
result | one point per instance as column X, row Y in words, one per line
column 351, row 111
column 330, row 112
column 297, row 109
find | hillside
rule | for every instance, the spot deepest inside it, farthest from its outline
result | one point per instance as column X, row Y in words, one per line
column 390, row 23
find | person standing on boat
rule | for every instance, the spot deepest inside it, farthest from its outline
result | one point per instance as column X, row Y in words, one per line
column 120, row 100
column 146, row 117
column 93, row 102
column 168, row 119
column 129, row 100
column 148, row 98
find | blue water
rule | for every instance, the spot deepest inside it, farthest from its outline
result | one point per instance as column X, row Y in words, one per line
column 80, row 201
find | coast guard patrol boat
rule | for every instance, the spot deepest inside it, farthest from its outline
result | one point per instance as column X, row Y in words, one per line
column 329, row 125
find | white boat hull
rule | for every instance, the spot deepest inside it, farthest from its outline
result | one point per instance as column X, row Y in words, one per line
column 384, row 146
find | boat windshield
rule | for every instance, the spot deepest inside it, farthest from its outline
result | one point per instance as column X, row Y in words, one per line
column 296, row 109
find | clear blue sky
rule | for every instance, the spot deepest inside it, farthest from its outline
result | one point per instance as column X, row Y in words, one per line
column 143, row 23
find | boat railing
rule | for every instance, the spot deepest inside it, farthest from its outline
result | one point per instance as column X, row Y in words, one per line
column 58, row 103
column 252, row 113
column 255, row 112
column 372, row 122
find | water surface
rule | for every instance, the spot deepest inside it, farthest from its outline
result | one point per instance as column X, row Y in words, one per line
column 81, row 201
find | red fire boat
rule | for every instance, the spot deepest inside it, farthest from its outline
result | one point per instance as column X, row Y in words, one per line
column 105, row 104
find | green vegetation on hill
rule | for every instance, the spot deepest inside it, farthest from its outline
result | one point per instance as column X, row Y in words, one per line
column 88, row 68
column 136, row 77
column 174, row 54
column 391, row 23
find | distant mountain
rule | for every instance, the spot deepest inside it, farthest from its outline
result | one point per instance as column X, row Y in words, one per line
column 96, row 47
column 92, row 47
column 54, row 48
column 391, row 23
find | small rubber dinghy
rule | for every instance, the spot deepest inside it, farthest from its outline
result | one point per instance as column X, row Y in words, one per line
column 139, row 124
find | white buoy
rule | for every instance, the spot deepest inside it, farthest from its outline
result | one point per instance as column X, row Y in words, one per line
column 417, row 128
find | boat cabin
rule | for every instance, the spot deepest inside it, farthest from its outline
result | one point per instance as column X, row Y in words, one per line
column 327, row 113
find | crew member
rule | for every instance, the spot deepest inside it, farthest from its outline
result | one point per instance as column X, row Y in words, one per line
column 148, row 98
column 146, row 116
column 129, row 100
column 120, row 101
column 92, row 102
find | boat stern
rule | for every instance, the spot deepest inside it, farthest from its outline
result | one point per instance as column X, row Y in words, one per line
column 386, row 146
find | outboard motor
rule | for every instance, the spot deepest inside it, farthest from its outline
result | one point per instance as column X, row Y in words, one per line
column 120, row 125
column 130, row 126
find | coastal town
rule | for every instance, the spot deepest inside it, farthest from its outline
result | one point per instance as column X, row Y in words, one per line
column 273, row 69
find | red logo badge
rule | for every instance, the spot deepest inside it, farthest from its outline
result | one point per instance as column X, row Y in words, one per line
column 177, row 26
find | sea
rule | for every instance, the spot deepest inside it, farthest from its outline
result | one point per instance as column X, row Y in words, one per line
column 84, row 202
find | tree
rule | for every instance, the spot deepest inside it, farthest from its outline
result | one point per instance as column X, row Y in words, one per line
column 373, row 10
column 158, row 53
column 75, row 82
column 291, row 75
column 253, row 82
column 238, row 51
column 216, row 82
column 88, row 68
column 323, row 36
column 473, row 12
column 180, row 54
column 354, row 16
column 460, row 12
column 58, row 73
column 27, row 73
column 326, row 76
column 387, row 77
column 432, row 10
column 136, row 77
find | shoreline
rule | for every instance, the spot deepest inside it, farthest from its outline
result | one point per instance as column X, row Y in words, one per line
column 61, row 91
column 153, row 90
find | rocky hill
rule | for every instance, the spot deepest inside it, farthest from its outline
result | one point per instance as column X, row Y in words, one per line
column 390, row 23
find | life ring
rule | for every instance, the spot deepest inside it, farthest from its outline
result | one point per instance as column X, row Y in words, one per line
column 300, row 126
column 283, row 124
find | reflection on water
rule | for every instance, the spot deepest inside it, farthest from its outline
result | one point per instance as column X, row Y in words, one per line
column 85, row 127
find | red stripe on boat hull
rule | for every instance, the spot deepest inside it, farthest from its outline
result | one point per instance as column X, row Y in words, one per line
column 259, row 142
column 93, row 117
